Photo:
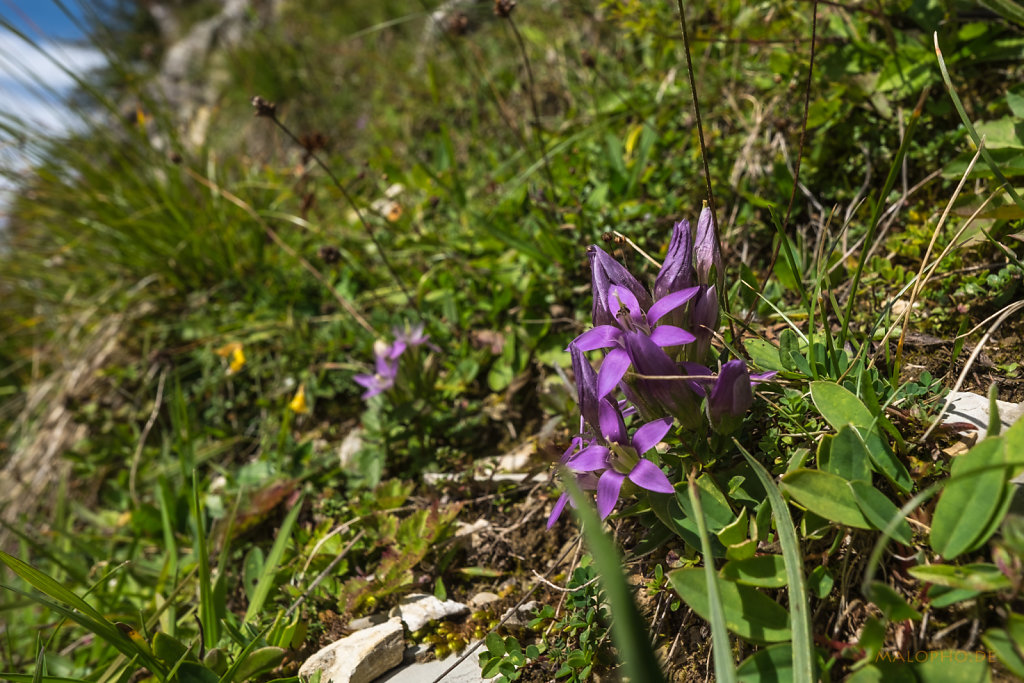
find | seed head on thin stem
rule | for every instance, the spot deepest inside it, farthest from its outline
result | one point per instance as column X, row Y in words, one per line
column 503, row 8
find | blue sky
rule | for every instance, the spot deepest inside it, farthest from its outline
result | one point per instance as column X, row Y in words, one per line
column 31, row 83
column 32, row 78
column 41, row 17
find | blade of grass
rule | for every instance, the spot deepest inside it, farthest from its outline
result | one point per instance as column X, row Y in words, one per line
column 725, row 668
column 266, row 580
column 958, row 105
column 207, row 610
column 800, row 618
column 628, row 631
column 101, row 627
column 876, row 214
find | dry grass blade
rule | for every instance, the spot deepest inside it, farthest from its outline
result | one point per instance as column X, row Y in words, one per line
column 1003, row 315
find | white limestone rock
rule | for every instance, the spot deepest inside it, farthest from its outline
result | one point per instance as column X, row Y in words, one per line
column 418, row 609
column 360, row 657
column 974, row 408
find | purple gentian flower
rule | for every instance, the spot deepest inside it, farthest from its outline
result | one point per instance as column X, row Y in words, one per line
column 706, row 254
column 387, row 369
column 704, row 317
column 586, row 388
column 658, row 387
column 605, row 272
column 622, row 458
column 677, row 270
column 632, row 320
column 406, row 337
column 731, row 397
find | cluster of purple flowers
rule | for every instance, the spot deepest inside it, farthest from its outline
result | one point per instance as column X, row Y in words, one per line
column 386, row 359
column 670, row 380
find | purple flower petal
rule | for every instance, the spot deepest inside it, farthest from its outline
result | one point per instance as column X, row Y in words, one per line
column 706, row 254
column 649, row 476
column 677, row 271
column 762, row 376
column 612, row 426
column 613, row 369
column 557, row 510
column 670, row 335
column 647, row 436
column 670, row 302
column 619, row 297
column 590, row 459
column 601, row 337
column 606, row 271
column 608, row 488
column 586, row 387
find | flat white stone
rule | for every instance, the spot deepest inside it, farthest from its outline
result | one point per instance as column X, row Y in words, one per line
column 360, row 657
column 427, row 672
column 418, row 609
column 483, row 598
column 970, row 407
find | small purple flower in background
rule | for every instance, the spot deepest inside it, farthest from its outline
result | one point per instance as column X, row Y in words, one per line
column 406, row 337
column 621, row 457
column 387, row 369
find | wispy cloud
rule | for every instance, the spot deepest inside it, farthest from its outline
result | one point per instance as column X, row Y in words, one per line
column 34, row 79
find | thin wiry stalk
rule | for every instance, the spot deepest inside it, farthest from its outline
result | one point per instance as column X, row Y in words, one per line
column 267, row 110
column 799, row 156
column 722, row 294
column 531, row 88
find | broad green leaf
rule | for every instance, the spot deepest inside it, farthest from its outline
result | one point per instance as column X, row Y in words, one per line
column 820, row 582
column 669, row 513
column 749, row 613
column 887, row 668
column 736, row 532
column 167, row 648
column 847, row 456
column 879, row 510
column 953, row 666
column 741, row 551
column 1005, row 647
column 892, row 604
column 495, row 644
column 490, row 668
column 978, row 577
column 259, row 661
column 763, row 354
column 968, row 503
column 764, row 571
column 717, row 512
column 772, row 664
column 872, row 638
column 193, row 672
column 826, row 495
column 841, row 407
column 940, row 597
